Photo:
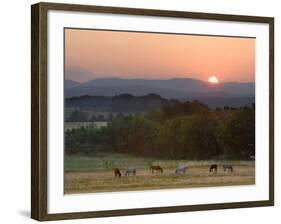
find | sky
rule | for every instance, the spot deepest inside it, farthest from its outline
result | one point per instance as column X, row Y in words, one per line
column 92, row 54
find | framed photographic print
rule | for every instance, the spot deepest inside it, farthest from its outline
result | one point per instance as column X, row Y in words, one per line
column 140, row 111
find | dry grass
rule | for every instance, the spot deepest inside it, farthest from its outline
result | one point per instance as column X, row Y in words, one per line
column 98, row 179
column 75, row 125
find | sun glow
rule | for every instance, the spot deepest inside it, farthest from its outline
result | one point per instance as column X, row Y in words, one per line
column 213, row 79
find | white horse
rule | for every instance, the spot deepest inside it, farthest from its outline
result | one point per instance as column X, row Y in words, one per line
column 181, row 169
column 131, row 170
column 227, row 167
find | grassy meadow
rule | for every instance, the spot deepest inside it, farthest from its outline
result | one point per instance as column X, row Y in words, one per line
column 75, row 125
column 86, row 174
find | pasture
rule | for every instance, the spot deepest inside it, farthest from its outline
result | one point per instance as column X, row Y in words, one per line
column 74, row 125
column 86, row 174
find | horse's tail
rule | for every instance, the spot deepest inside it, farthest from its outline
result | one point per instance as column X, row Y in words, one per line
column 161, row 170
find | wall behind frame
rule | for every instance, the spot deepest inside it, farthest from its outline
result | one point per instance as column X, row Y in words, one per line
column 15, row 111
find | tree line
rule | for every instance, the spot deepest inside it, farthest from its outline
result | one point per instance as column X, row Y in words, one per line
column 118, row 103
column 182, row 130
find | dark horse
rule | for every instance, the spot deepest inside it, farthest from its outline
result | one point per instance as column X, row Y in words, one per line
column 157, row 168
column 214, row 167
column 117, row 172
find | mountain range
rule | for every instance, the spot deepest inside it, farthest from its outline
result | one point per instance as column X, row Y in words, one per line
column 177, row 88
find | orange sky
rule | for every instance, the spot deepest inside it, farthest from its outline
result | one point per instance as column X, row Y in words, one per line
column 91, row 54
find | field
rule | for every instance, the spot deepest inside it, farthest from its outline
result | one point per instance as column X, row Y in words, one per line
column 73, row 125
column 94, row 112
column 95, row 173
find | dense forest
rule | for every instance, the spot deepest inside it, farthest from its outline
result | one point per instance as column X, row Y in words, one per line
column 177, row 130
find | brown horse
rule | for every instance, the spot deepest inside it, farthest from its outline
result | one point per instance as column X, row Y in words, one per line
column 214, row 167
column 117, row 172
column 157, row 168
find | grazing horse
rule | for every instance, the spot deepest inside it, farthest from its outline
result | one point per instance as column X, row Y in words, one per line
column 227, row 167
column 117, row 172
column 157, row 168
column 181, row 169
column 214, row 167
column 131, row 170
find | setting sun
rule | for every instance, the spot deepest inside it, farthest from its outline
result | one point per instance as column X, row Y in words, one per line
column 213, row 79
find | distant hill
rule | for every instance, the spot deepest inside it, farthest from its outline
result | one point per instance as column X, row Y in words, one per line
column 219, row 102
column 70, row 84
column 178, row 88
column 136, row 90
column 120, row 103
column 130, row 103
